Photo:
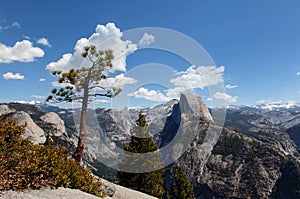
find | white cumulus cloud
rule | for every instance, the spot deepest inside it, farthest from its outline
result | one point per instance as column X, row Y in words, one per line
column 174, row 93
column 151, row 95
column 105, row 37
column 42, row 79
column 229, row 86
column 298, row 73
column 38, row 96
column 146, row 40
column 44, row 42
column 22, row 51
column 10, row 75
column 56, row 84
column 199, row 77
column 195, row 77
column 119, row 81
column 224, row 96
column 192, row 78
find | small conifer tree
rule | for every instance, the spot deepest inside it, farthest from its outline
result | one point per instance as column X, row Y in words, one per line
column 142, row 142
column 182, row 188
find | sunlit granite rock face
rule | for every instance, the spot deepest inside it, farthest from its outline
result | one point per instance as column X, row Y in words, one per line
column 32, row 131
column 191, row 104
column 57, row 123
column 5, row 110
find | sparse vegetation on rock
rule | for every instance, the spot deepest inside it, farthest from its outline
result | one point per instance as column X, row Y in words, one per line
column 25, row 165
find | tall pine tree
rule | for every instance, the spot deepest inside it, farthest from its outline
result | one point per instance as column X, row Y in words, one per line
column 82, row 84
column 142, row 142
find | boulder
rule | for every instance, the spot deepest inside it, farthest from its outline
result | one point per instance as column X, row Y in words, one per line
column 32, row 131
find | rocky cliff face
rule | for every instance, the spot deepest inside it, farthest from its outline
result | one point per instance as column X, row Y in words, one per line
column 273, row 126
column 259, row 162
column 277, row 139
column 191, row 104
column 238, row 166
column 225, row 163
column 195, row 118
column 294, row 133
column 264, row 126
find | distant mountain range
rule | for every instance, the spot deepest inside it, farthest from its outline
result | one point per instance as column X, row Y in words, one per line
column 274, row 106
column 255, row 155
column 284, row 118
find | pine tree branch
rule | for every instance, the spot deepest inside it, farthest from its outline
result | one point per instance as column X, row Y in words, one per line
column 101, row 94
column 101, row 87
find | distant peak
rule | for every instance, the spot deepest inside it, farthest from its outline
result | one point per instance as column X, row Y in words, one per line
column 191, row 103
column 190, row 95
column 274, row 106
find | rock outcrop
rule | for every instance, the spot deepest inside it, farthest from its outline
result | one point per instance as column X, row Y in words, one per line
column 196, row 124
column 4, row 109
column 191, row 104
column 32, row 131
column 57, row 123
column 119, row 192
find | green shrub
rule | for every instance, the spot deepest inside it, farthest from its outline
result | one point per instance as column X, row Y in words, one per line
column 25, row 165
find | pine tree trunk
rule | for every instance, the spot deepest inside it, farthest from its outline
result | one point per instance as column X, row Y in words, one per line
column 77, row 156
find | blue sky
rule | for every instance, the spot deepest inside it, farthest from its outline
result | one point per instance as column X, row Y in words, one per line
column 255, row 44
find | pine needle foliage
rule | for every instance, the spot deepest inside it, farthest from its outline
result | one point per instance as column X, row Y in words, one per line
column 182, row 188
column 83, row 84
